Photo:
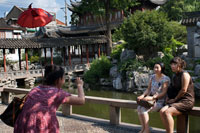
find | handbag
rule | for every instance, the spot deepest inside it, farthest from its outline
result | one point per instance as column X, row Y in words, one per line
column 9, row 116
column 146, row 104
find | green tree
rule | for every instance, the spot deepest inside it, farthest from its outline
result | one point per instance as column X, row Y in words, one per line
column 104, row 8
column 146, row 32
column 117, row 50
column 176, row 8
column 179, row 31
column 99, row 69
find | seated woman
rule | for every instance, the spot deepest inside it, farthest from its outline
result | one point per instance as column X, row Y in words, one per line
column 180, row 94
column 156, row 90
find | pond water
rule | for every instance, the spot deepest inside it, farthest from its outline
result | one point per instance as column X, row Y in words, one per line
column 127, row 115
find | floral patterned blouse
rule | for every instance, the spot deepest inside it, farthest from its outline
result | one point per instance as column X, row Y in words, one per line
column 156, row 87
column 39, row 111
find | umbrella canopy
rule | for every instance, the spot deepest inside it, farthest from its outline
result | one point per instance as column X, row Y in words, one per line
column 34, row 17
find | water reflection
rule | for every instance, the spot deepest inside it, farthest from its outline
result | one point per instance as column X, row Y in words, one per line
column 128, row 115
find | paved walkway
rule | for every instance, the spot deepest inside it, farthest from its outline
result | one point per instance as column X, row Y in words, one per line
column 81, row 124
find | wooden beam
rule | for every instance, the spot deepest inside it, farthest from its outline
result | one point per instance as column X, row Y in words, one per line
column 69, row 56
column 99, row 50
column 78, row 50
column 19, row 53
column 64, row 56
column 26, row 55
column 93, row 50
column 81, row 54
column 45, row 56
column 51, row 56
column 87, row 52
column 4, row 59
column 105, row 46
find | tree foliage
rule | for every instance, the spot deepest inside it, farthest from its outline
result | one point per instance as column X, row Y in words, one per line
column 117, row 50
column 176, row 8
column 99, row 69
column 98, row 7
column 179, row 31
column 149, row 32
column 146, row 32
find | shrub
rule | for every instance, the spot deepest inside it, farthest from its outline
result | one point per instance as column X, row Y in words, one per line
column 56, row 60
column 197, row 61
column 128, row 65
column 99, row 69
column 8, row 62
column 146, row 32
column 34, row 59
column 166, row 60
column 149, row 32
column 116, row 51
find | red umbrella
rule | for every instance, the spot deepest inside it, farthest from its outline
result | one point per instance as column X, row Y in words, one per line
column 34, row 17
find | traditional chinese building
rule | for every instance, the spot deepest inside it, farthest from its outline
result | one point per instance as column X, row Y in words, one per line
column 83, row 40
column 192, row 22
column 9, row 32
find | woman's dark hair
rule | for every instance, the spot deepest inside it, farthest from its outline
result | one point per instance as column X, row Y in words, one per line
column 52, row 73
column 162, row 65
column 177, row 60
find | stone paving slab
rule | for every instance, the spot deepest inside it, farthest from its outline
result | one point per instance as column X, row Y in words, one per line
column 82, row 124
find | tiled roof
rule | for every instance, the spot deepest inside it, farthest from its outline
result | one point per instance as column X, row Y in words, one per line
column 5, row 26
column 190, row 18
column 87, row 29
column 18, row 43
column 51, row 42
column 58, row 22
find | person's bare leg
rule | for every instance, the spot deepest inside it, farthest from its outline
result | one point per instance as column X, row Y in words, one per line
column 162, row 116
column 168, row 118
column 140, row 118
column 141, row 122
column 145, row 118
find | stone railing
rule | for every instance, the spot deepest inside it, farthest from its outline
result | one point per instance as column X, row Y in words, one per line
column 115, row 106
column 22, row 74
column 79, row 67
column 40, row 72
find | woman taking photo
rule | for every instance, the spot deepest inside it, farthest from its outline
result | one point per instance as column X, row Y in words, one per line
column 39, row 111
column 156, row 90
column 180, row 94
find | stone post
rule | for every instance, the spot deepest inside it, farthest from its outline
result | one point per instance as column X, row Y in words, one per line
column 6, row 97
column 115, row 115
column 66, row 109
column 182, row 124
